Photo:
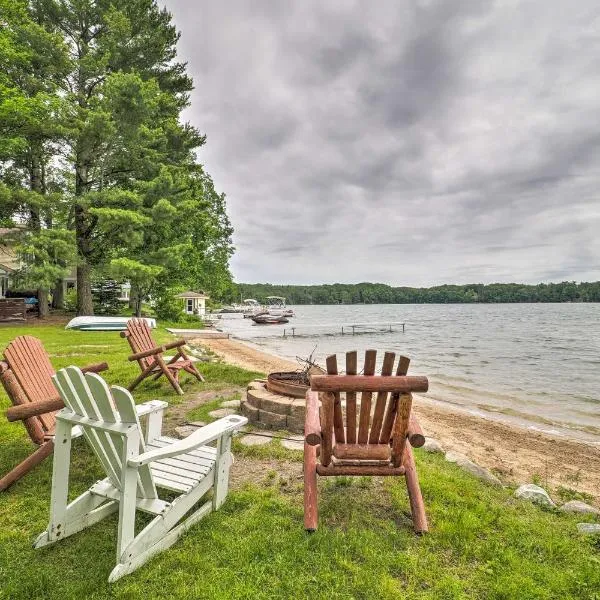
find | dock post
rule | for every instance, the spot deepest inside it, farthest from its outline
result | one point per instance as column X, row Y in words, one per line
column 342, row 330
column 402, row 327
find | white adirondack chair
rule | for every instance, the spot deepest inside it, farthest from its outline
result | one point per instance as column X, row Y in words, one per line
column 135, row 464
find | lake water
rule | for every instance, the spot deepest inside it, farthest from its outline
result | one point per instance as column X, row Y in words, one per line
column 536, row 364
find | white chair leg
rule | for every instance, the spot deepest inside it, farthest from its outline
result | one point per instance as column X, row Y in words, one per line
column 127, row 502
column 60, row 485
column 224, row 460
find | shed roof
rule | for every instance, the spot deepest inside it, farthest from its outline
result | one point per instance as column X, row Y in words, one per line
column 192, row 295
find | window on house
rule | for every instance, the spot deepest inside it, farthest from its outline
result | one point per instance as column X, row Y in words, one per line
column 190, row 305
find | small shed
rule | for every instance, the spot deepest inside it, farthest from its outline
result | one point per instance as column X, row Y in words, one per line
column 194, row 303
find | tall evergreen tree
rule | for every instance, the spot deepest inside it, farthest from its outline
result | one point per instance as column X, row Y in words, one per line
column 127, row 91
column 32, row 63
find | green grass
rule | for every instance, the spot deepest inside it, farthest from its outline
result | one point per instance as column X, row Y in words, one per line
column 483, row 543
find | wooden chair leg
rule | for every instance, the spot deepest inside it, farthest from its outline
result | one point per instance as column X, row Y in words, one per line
column 137, row 381
column 193, row 371
column 173, row 380
column 29, row 463
column 311, row 509
column 417, row 506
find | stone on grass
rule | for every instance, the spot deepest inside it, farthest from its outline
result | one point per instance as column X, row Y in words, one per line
column 184, row 430
column 255, row 440
column 464, row 463
column 576, row 506
column 294, row 442
column 231, row 404
column 589, row 528
column 432, row 446
column 221, row 412
column 534, row 493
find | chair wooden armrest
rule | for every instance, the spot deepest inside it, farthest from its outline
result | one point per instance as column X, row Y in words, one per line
column 146, row 353
column 32, row 409
column 203, row 436
column 175, row 344
column 312, row 424
column 150, row 407
column 416, row 437
column 95, row 368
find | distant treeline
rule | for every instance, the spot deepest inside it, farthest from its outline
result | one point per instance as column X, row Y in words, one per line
column 380, row 293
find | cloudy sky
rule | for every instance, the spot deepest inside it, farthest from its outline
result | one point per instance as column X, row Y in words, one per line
column 411, row 143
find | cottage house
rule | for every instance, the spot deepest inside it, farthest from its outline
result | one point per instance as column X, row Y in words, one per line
column 194, row 303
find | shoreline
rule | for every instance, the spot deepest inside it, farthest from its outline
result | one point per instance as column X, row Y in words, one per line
column 517, row 454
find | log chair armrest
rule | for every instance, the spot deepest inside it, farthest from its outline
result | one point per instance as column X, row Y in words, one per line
column 95, row 368
column 146, row 353
column 33, row 409
column 175, row 344
column 203, row 436
column 312, row 423
column 415, row 434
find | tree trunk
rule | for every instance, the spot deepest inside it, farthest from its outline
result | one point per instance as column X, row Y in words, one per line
column 83, row 230
column 58, row 295
column 85, row 305
column 42, row 303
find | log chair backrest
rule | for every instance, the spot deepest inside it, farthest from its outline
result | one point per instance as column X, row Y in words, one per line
column 375, row 425
column 27, row 377
column 104, row 411
column 139, row 335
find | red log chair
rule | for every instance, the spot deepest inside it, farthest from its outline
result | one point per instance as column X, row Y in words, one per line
column 149, row 356
column 376, row 437
column 26, row 374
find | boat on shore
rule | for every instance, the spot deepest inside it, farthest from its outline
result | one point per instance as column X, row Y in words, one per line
column 104, row 323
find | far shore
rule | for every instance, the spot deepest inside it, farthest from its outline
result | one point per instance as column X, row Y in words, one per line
column 517, row 455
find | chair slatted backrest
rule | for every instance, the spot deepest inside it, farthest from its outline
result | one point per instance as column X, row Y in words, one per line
column 379, row 423
column 140, row 340
column 30, row 365
column 89, row 396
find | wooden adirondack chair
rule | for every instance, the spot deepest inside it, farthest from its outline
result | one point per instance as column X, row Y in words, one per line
column 136, row 463
column 149, row 356
column 26, row 375
column 379, row 447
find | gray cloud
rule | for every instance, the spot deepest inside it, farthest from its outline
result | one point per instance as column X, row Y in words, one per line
column 411, row 143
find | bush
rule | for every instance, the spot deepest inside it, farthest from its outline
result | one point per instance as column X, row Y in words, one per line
column 168, row 308
column 71, row 300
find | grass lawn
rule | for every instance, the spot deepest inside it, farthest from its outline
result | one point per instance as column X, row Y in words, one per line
column 483, row 543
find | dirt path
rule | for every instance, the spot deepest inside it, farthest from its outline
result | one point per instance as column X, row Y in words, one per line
column 518, row 455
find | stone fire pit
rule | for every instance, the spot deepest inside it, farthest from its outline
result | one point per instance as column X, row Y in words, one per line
column 269, row 409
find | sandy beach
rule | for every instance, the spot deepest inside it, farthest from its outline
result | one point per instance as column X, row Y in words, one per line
column 517, row 455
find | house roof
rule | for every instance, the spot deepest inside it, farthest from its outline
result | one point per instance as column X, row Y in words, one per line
column 192, row 295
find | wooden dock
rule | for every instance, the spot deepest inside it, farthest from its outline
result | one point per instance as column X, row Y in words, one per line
column 351, row 329
column 206, row 334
